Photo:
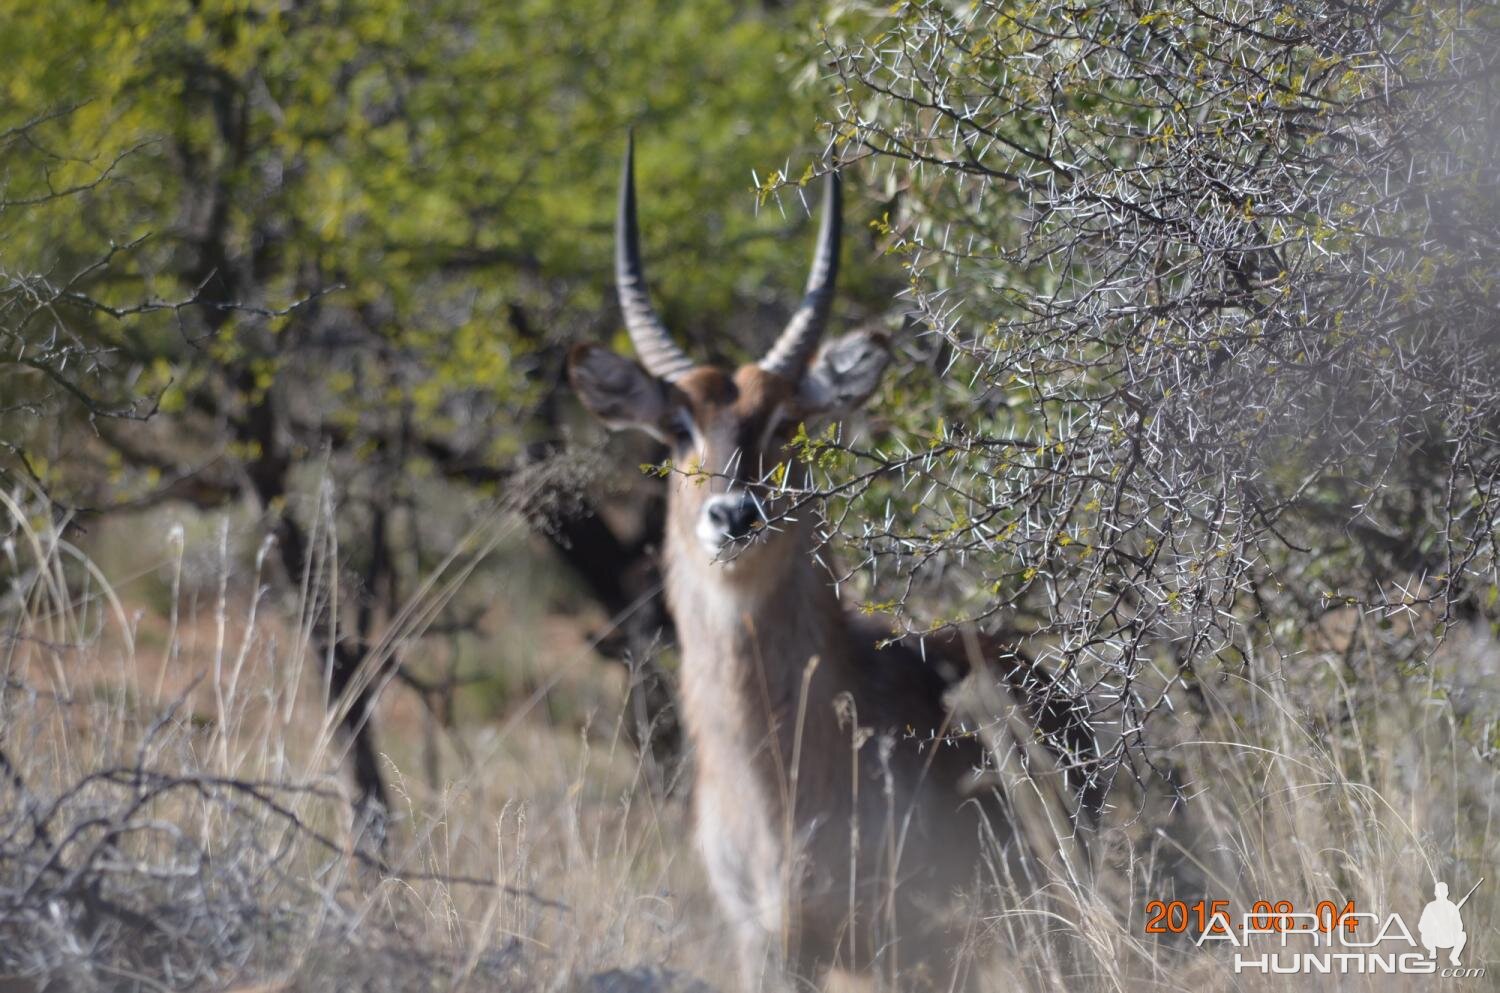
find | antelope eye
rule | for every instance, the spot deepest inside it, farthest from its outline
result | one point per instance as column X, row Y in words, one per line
column 682, row 430
column 776, row 433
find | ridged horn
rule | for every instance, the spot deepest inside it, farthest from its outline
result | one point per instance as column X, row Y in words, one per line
column 661, row 357
column 789, row 356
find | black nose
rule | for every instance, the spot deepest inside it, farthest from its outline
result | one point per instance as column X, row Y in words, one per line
column 737, row 517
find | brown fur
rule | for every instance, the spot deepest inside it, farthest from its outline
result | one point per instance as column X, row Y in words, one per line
column 833, row 809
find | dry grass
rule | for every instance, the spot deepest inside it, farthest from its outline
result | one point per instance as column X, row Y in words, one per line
column 172, row 814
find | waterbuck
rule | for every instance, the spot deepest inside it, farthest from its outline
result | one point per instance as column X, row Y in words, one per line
column 837, row 811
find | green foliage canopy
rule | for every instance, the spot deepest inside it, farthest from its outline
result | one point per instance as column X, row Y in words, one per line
column 383, row 207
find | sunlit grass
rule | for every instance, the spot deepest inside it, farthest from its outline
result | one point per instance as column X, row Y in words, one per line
column 175, row 813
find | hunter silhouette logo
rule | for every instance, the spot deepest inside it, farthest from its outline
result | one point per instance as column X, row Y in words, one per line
column 1329, row 940
column 1441, row 926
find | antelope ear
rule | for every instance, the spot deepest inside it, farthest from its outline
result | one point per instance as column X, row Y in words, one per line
column 844, row 373
column 617, row 391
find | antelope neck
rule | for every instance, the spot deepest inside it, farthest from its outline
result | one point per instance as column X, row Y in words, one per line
column 746, row 641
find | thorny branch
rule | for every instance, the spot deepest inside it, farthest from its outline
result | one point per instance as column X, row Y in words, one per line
column 1212, row 292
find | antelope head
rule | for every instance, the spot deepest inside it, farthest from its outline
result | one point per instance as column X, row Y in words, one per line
column 728, row 429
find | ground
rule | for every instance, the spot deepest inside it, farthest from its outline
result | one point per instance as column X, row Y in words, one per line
column 176, row 814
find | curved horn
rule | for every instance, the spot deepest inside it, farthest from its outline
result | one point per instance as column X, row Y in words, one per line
column 790, row 355
column 661, row 357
